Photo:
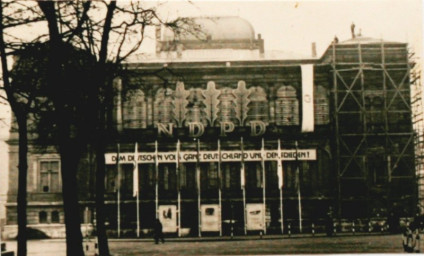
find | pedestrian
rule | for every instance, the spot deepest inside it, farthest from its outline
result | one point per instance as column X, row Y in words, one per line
column 329, row 222
column 158, row 234
column 411, row 238
column 393, row 221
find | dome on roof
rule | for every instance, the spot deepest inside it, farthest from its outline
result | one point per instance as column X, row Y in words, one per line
column 216, row 28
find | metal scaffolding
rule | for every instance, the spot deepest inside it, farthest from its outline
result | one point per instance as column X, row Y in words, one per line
column 373, row 136
column 418, row 124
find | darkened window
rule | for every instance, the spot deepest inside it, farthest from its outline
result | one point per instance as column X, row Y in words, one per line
column 182, row 176
column 212, row 175
column 195, row 107
column 135, row 110
column 253, row 174
column 49, row 176
column 321, row 105
column 55, row 217
column 231, row 175
column 374, row 103
column 42, row 217
column 167, row 179
column 163, row 106
column 289, row 173
column 111, row 177
column 227, row 175
column 147, row 176
column 286, row 106
column 126, row 185
column 258, row 105
column 188, row 175
column 377, row 170
column 227, row 107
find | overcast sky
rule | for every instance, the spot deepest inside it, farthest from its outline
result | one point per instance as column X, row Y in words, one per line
column 293, row 26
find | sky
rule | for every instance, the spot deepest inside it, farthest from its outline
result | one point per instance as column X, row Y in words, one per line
column 294, row 25
column 291, row 26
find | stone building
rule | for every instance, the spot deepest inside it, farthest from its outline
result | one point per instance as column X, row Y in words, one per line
column 226, row 137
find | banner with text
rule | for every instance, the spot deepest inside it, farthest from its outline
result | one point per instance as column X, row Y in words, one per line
column 212, row 156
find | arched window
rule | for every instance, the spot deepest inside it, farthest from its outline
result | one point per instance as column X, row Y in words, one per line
column 321, row 106
column 196, row 107
column 227, row 106
column 55, row 217
column 135, row 110
column 286, row 106
column 258, row 105
column 42, row 217
column 163, row 107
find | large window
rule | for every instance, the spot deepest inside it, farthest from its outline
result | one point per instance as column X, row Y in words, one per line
column 167, row 178
column 211, row 175
column 286, row 106
column 135, row 110
column 231, row 175
column 49, row 176
column 258, row 106
column 253, row 174
column 321, row 105
column 42, row 217
column 55, row 217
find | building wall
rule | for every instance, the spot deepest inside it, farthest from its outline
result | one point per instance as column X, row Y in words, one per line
column 364, row 167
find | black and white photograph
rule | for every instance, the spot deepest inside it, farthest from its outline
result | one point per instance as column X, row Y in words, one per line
column 193, row 127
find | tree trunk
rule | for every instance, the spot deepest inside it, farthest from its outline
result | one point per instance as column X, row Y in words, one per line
column 100, row 190
column 22, row 183
column 69, row 148
column 100, row 147
column 21, row 117
column 70, row 154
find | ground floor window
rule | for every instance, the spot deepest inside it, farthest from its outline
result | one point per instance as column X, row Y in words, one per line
column 55, row 217
column 253, row 174
column 49, row 176
column 42, row 217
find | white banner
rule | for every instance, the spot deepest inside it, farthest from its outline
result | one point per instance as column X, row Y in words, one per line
column 255, row 216
column 168, row 218
column 213, row 156
column 211, row 217
column 307, row 98
column 135, row 172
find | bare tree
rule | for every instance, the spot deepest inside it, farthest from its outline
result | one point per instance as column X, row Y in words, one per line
column 111, row 32
column 20, row 99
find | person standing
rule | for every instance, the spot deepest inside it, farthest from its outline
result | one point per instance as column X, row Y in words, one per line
column 158, row 234
column 329, row 222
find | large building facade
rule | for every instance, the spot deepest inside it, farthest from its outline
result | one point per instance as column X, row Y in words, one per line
column 218, row 136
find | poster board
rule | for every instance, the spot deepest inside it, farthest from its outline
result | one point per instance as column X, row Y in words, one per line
column 168, row 218
column 210, row 217
column 255, row 216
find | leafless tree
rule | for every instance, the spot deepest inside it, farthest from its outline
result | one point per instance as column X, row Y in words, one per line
column 111, row 32
column 14, row 15
column 106, row 30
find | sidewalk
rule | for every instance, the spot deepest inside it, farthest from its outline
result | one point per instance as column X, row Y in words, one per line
column 246, row 237
column 240, row 245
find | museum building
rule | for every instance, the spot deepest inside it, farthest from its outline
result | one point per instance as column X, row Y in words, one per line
column 218, row 136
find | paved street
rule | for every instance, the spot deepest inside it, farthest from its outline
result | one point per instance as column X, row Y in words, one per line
column 274, row 245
